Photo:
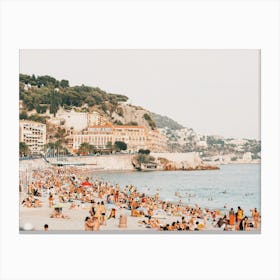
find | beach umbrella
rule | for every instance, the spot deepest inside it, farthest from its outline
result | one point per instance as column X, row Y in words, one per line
column 86, row 184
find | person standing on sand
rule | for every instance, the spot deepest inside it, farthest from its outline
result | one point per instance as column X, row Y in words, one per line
column 239, row 216
column 231, row 217
column 103, row 213
column 255, row 216
column 51, row 200
column 96, row 224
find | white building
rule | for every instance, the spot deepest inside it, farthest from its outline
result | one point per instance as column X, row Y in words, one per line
column 33, row 134
column 79, row 121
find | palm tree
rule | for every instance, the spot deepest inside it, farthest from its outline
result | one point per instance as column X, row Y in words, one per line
column 84, row 148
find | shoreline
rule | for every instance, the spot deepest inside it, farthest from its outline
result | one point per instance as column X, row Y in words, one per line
column 67, row 191
column 108, row 163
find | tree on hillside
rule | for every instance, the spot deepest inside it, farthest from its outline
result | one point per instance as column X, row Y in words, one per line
column 64, row 83
column 54, row 103
column 61, row 135
column 23, row 115
column 150, row 121
column 120, row 146
column 46, row 81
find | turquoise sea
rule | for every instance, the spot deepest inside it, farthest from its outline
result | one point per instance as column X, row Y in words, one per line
column 231, row 186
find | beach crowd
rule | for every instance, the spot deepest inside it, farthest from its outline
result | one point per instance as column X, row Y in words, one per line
column 72, row 188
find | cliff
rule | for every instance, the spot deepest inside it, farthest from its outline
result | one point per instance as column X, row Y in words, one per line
column 182, row 161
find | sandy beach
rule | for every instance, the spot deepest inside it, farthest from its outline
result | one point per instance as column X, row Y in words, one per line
column 65, row 199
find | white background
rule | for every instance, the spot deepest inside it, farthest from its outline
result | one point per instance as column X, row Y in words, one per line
column 190, row 25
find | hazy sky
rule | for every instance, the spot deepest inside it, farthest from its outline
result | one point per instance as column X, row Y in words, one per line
column 212, row 91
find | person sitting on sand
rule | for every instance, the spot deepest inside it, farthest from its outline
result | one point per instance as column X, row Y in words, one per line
column 136, row 213
column 38, row 203
column 27, row 202
column 243, row 223
column 58, row 214
column 112, row 214
column 73, row 205
column 88, row 224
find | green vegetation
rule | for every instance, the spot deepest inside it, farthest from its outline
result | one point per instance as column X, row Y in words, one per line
column 109, row 146
column 212, row 141
column 47, row 92
column 164, row 121
column 144, row 152
column 150, row 121
column 118, row 122
column 86, row 148
column 23, row 149
column 35, row 117
column 141, row 158
column 56, row 148
column 252, row 146
column 119, row 111
column 132, row 123
column 120, row 146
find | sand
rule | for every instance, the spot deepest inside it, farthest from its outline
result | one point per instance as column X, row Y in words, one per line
column 37, row 217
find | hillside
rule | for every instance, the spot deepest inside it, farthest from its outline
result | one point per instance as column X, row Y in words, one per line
column 164, row 121
column 43, row 96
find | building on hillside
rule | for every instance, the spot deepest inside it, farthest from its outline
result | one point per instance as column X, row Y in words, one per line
column 136, row 137
column 33, row 134
column 78, row 121
column 98, row 136
column 202, row 144
column 156, row 142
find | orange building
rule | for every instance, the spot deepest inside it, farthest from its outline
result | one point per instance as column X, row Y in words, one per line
column 136, row 137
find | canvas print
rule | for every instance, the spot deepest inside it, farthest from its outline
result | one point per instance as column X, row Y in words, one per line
column 139, row 141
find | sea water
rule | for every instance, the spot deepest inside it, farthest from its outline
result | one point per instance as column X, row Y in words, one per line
column 232, row 186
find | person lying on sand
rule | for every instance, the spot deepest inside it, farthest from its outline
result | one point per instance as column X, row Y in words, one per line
column 58, row 214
